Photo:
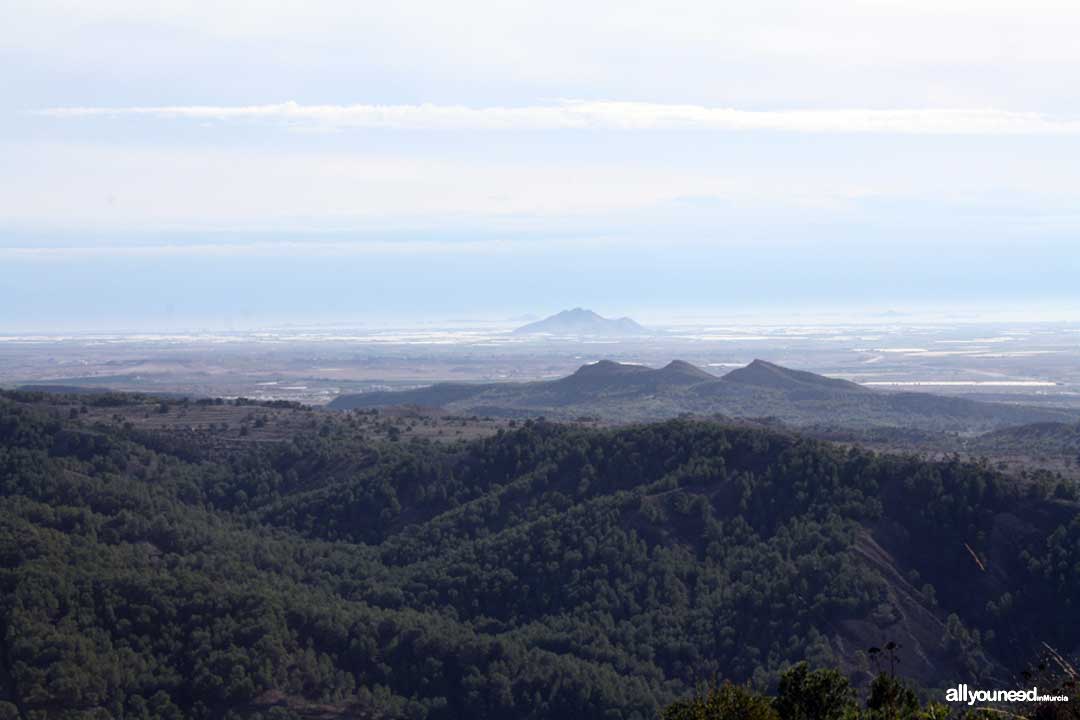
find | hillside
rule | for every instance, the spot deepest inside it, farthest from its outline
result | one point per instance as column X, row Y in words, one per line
column 582, row 322
column 546, row 571
column 622, row 392
column 1054, row 439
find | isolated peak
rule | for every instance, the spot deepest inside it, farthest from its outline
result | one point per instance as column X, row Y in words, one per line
column 581, row 321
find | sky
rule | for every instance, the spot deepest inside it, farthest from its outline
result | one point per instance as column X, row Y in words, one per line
column 235, row 164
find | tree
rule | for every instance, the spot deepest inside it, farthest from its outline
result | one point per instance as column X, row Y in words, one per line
column 727, row 702
column 806, row 694
column 891, row 699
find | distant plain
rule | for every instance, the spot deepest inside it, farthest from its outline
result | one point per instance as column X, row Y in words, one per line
column 1032, row 363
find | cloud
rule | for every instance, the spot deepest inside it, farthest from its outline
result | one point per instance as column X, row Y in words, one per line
column 607, row 115
column 308, row 249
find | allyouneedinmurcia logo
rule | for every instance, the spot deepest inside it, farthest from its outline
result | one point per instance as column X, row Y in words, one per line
column 964, row 694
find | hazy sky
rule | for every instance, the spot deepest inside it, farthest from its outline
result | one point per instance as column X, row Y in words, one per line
column 234, row 163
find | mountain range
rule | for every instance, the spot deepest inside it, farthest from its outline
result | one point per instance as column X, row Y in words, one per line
column 625, row 392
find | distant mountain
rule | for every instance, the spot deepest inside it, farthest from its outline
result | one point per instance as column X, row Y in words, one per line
column 625, row 392
column 580, row 321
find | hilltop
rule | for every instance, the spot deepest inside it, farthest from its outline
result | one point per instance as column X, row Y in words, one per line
column 625, row 392
column 582, row 322
column 769, row 375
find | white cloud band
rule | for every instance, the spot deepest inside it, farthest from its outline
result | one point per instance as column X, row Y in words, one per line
column 608, row 115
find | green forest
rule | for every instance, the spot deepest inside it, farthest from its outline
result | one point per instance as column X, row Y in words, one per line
column 683, row 569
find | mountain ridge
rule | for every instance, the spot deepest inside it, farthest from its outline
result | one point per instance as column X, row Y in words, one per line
column 623, row 392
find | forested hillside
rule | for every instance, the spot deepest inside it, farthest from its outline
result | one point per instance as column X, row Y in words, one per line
column 549, row 570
